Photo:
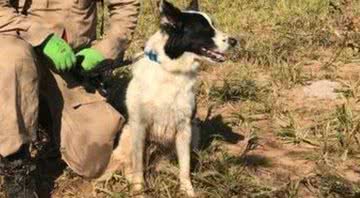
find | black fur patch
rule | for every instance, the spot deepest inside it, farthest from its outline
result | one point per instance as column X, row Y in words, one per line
column 188, row 32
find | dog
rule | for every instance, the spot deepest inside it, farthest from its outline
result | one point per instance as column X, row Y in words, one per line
column 160, row 98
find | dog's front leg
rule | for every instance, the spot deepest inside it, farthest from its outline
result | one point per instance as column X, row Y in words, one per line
column 183, row 148
column 136, row 175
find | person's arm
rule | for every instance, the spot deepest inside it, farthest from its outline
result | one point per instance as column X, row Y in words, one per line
column 13, row 22
column 123, row 20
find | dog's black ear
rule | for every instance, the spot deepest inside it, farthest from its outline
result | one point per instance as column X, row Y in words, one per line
column 169, row 14
column 194, row 5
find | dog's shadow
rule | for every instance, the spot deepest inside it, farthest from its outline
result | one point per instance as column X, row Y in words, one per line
column 215, row 128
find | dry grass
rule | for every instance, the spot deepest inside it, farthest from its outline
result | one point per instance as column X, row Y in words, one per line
column 283, row 40
column 288, row 44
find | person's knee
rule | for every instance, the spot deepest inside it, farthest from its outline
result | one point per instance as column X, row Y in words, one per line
column 16, row 53
column 10, row 144
column 89, row 162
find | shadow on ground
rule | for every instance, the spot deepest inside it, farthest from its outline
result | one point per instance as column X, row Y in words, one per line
column 215, row 128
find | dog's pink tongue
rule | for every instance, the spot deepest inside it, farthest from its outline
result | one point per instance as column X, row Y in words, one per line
column 220, row 56
column 215, row 55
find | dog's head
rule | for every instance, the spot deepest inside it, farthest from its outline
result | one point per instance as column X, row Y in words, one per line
column 193, row 32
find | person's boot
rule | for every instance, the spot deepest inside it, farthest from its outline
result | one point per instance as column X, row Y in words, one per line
column 19, row 175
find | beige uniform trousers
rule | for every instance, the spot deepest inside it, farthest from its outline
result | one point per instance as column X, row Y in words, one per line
column 87, row 125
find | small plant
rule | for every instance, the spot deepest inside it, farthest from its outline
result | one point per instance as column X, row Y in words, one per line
column 289, row 75
column 234, row 90
column 347, row 129
column 289, row 129
column 339, row 132
column 329, row 184
column 350, row 89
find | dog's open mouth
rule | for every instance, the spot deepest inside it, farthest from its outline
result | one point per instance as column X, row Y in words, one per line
column 213, row 55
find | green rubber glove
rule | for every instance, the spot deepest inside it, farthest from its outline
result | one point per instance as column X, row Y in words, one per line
column 91, row 58
column 60, row 53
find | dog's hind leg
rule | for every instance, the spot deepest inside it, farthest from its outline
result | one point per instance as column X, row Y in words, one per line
column 183, row 149
column 120, row 157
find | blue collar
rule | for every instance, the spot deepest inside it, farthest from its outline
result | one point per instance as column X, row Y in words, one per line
column 152, row 55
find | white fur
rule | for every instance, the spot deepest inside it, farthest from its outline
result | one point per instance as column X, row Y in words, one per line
column 160, row 101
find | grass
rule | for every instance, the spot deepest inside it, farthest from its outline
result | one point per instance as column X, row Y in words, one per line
column 219, row 175
column 286, row 44
column 234, row 91
column 340, row 132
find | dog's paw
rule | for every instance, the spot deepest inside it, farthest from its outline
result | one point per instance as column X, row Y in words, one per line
column 139, row 196
column 138, row 190
column 189, row 190
column 191, row 193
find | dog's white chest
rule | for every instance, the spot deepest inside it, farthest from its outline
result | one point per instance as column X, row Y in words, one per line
column 161, row 95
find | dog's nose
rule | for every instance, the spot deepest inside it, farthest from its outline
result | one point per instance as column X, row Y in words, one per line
column 232, row 42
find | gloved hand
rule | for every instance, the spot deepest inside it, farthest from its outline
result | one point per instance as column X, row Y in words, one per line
column 59, row 52
column 91, row 58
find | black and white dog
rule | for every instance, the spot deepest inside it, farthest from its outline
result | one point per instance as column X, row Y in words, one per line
column 160, row 98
